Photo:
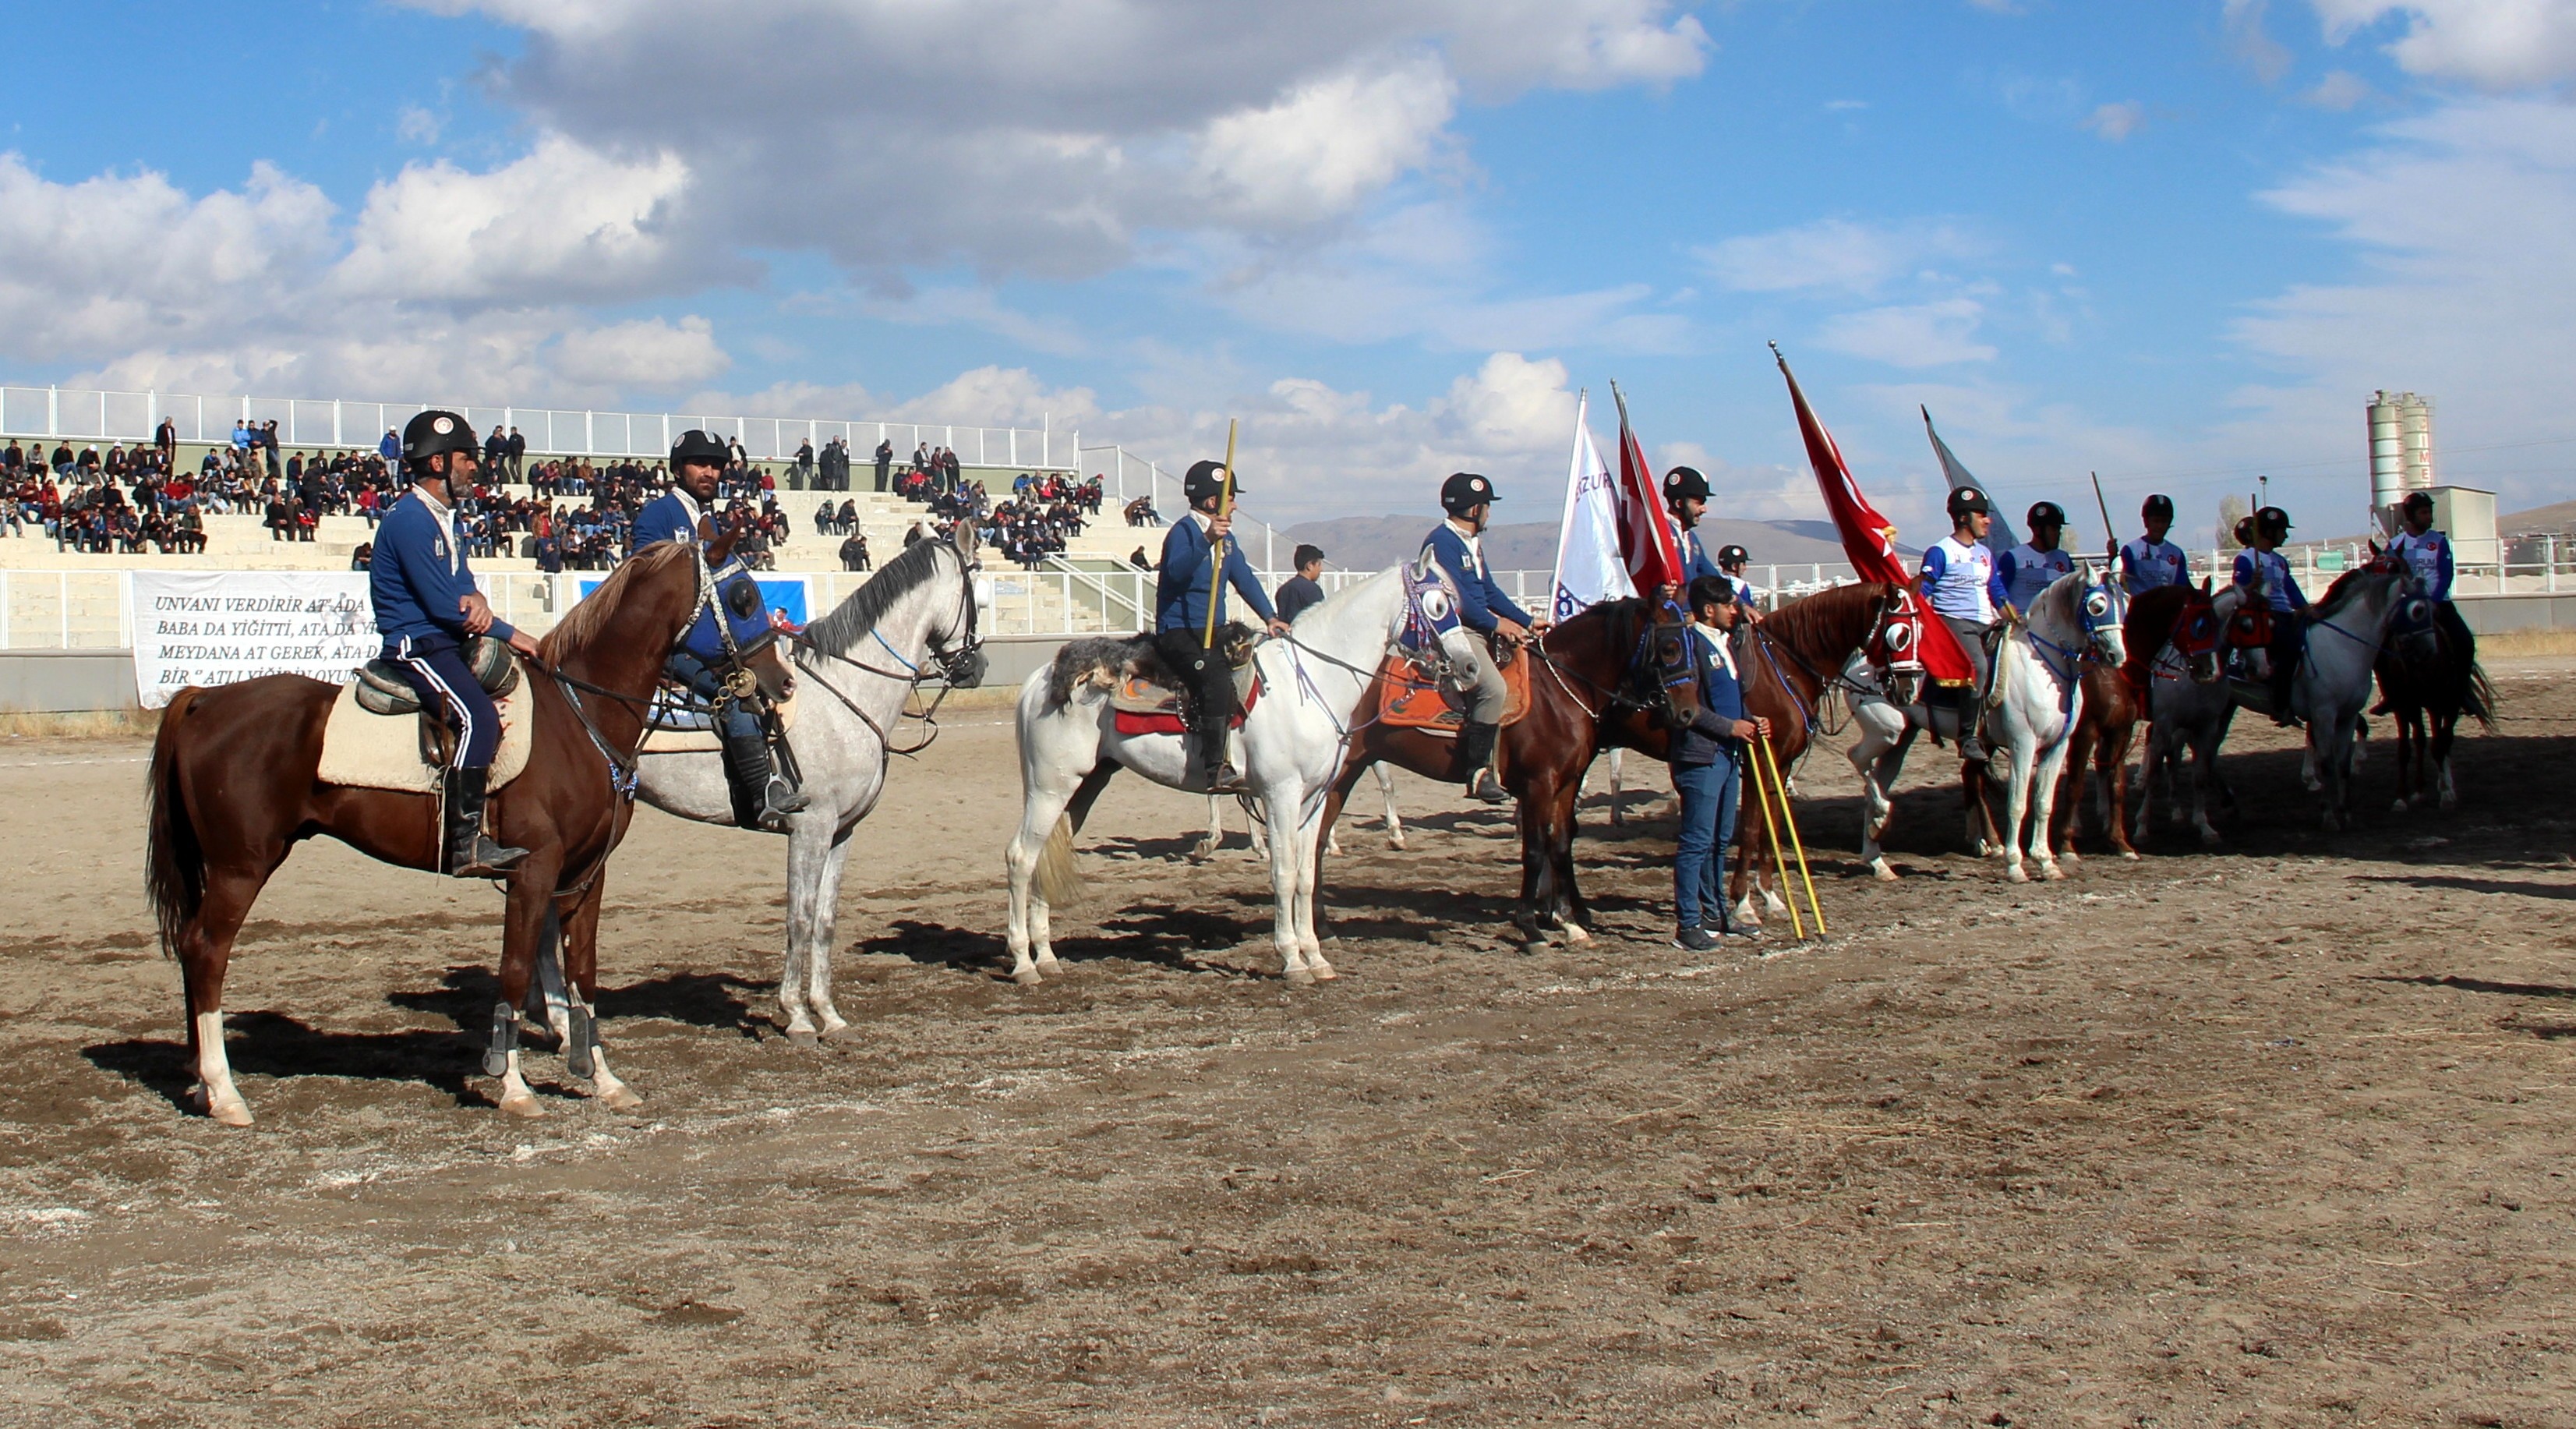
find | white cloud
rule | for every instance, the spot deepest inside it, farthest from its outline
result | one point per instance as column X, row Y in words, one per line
column 651, row 354
column 415, row 125
column 1327, row 146
column 564, row 222
column 2496, row 45
column 2339, row 91
column 1832, row 253
column 1922, row 335
column 2116, row 122
column 2248, row 42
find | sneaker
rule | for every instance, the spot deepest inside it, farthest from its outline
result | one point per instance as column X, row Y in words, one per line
column 1694, row 940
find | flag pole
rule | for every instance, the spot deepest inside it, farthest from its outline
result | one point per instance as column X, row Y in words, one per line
column 2110, row 538
column 1573, row 487
column 1217, row 549
column 1779, row 865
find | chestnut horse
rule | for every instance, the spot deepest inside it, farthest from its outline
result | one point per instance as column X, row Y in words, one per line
column 232, row 792
column 2115, row 704
column 1613, row 674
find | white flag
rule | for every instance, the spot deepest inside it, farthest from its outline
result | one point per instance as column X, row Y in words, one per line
column 1589, row 567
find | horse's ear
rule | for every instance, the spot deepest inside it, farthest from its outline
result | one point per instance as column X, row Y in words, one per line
column 720, row 549
column 2205, row 587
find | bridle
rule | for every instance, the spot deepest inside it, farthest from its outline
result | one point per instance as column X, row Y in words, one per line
column 622, row 769
column 957, row 667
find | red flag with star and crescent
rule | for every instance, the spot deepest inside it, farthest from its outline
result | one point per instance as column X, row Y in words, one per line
column 1646, row 539
column 1869, row 539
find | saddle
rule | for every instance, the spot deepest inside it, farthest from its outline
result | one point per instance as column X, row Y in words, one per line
column 365, row 750
column 383, row 689
column 1144, row 693
column 1410, row 699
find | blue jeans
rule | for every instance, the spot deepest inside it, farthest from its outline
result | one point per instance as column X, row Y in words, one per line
column 1708, row 794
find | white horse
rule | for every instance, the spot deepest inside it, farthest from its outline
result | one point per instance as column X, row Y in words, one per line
column 858, row 666
column 1292, row 741
column 2038, row 698
column 2344, row 634
column 1260, row 832
column 1885, row 730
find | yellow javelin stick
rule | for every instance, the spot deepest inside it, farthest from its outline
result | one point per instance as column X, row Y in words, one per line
column 1790, row 817
column 1780, row 866
column 1216, row 549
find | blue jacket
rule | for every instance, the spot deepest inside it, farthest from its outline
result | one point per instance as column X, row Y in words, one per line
column 1695, row 561
column 664, row 519
column 1181, row 590
column 419, row 578
column 1711, row 735
column 1481, row 603
column 2280, row 589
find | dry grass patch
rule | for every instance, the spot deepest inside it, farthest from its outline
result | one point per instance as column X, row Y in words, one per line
column 83, row 724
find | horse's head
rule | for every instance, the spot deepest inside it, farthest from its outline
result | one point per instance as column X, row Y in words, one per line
column 2196, row 633
column 1896, row 647
column 1431, row 633
column 1662, row 678
column 2102, row 607
column 747, row 639
column 954, row 642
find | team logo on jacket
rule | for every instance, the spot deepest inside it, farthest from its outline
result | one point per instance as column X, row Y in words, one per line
column 438, row 548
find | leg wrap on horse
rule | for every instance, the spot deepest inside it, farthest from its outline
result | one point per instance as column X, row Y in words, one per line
column 505, row 1039
column 584, row 1036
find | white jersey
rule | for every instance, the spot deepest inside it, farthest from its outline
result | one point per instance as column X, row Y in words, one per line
column 2027, row 570
column 1956, row 577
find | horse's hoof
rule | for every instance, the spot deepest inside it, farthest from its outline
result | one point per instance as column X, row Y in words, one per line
column 620, row 1098
column 1880, row 871
column 1324, row 971
column 2450, row 800
column 2399, row 805
column 837, row 1030
column 803, row 1037
column 1396, row 842
column 2014, row 874
column 1575, row 933
column 2051, row 871
column 1049, row 967
column 2070, row 857
column 1299, row 977
column 1026, row 977
column 2209, row 838
column 2130, row 854
column 523, row 1105
column 234, row 1112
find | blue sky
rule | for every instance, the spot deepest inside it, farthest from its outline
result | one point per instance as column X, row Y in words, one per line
column 2179, row 244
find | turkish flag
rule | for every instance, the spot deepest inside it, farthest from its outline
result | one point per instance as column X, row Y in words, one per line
column 1646, row 539
column 1869, row 539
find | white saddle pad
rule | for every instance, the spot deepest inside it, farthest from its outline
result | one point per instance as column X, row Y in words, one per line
column 373, row 751
column 704, row 740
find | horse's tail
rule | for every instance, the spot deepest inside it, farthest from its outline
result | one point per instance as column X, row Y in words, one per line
column 174, row 872
column 2480, row 697
column 1059, row 880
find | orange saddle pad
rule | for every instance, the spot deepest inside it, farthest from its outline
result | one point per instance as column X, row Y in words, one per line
column 1412, row 701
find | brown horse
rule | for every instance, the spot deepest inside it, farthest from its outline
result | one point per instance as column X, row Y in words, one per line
column 232, row 792
column 1789, row 661
column 2115, row 705
column 1613, row 675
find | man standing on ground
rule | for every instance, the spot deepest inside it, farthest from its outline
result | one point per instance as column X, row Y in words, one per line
column 1304, row 588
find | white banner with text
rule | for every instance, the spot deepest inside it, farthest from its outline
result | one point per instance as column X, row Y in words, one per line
column 217, row 627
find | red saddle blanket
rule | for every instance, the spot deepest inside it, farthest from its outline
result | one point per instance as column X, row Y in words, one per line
column 1409, row 700
column 1165, row 716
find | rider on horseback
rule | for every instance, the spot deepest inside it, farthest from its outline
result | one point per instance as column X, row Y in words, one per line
column 1455, row 546
column 1182, row 594
column 2151, row 560
column 2265, row 566
column 1731, row 561
column 2034, row 565
column 1958, row 581
column 427, row 608
column 1686, row 496
column 762, row 795
column 2427, row 554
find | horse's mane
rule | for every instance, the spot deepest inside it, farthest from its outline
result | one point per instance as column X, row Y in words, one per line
column 2060, row 597
column 2346, row 588
column 840, row 631
column 582, row 623
column 1813, row 624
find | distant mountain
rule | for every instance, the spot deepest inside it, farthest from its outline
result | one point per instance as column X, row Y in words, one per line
column 2554, row 518
column 1364, row 543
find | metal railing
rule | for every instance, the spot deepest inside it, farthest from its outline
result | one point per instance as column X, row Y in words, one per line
column 84, row 414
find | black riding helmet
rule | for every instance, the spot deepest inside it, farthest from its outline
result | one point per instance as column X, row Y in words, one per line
column 1464, row 491
column 697, row 446
column 436, row 431
column 1967, row 500
column 1732, row 557
column 2272, row 521
column 1683, row 483
column 2158, row 507
column 1206, row 479
column 2417, row 501
column 2047, row 513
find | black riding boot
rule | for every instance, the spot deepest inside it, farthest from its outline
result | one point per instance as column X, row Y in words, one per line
column 1972, row 721
column 468, row 851
column 762, row 799
column 1475, row 753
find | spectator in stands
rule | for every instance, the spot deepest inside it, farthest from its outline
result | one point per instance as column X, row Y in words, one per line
column 188, row 532
column 363, row 556
column 280, row 520
column 390, row 448
column 885, row 459
column 166, row 437
column 854, row 552
column 1304, row 588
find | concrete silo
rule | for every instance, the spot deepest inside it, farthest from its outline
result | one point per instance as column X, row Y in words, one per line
column 2401, row 461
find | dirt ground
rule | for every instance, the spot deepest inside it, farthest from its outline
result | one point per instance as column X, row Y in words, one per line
column 2271, row 1134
